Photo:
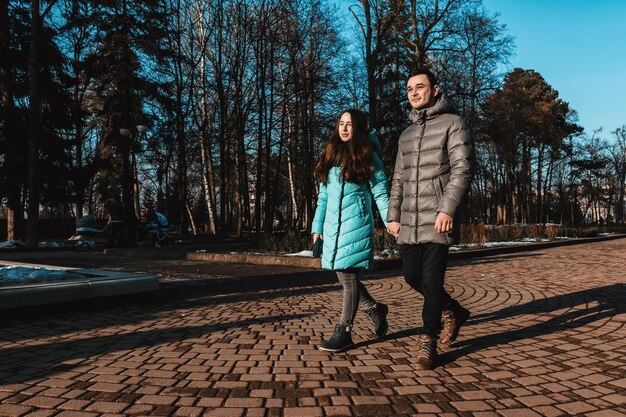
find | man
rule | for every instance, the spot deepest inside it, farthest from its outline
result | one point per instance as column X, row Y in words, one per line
column 431, row 175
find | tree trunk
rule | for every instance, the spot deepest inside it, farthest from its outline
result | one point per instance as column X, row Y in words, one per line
column 269, row 193
column 80, row 186
column 540, row 197
column 180, row 132
column 260, row 88
column 78, row 48
column 10, row 224
column 7, row 114
column 290, row 161
column 136, row 202
column 34, row 131
column 194, row 228
column 207, row 180
column 371, row 67
column 221, row 96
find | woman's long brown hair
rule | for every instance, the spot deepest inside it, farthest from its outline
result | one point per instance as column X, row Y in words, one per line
column 353, row 157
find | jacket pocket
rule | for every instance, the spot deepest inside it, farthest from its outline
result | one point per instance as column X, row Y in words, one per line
column 438, row 189
column 361, row 206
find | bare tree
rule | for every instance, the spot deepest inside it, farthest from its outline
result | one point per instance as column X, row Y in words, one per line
column 431, row 25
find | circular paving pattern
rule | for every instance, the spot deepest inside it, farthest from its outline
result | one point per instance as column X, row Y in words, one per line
column 546, row 338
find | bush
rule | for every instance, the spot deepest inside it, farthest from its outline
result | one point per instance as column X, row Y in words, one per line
column 577, row 232
column 478, row 234
column 473, row 233
column 384, row 242
column 289, row 242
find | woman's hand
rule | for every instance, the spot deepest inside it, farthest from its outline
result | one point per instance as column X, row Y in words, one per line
column 394, row 229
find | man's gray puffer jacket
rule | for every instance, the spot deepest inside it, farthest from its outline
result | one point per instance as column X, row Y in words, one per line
column 432, row 173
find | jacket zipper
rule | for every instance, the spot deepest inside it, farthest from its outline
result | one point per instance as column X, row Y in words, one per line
column 417, row 174
column 332, row 261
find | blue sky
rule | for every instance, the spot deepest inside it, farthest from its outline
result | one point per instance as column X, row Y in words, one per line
column 579, row 47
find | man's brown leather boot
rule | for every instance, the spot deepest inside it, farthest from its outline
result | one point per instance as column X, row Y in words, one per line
column 427, row 352
column 452, row 322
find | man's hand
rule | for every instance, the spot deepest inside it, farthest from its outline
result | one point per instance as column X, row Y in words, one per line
column 393, row 228
column 443, row 224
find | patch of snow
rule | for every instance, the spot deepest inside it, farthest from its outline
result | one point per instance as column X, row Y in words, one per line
column 511, row 243
column 12, row 275
column 305, row 253
column 46, row 244
column 387, row 253
column 491, row 244
column 10, row 244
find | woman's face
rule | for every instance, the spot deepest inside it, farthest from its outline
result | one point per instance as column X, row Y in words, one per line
column 345, row 127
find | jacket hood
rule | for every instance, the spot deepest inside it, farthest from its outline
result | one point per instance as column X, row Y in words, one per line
column 375, row 142
column 441, row 106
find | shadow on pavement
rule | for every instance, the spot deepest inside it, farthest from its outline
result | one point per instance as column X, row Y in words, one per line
column 177, row 291
column 491, row 259
column 189, row 293
column 397, row 336
column 92, row 314
column 88, row 317
column 30, row 362
column 610, row 299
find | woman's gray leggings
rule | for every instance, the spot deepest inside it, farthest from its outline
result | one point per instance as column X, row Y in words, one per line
column 353, row 292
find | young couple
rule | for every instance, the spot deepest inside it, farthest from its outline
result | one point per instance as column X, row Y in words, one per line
column 431, row 175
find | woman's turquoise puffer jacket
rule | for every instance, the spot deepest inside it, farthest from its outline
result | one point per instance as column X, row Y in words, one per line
column 349, row 240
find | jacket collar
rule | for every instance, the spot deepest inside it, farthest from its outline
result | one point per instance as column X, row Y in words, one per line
column 441, row 106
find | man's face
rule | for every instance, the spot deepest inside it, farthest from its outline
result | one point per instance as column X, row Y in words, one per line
column 420, row 93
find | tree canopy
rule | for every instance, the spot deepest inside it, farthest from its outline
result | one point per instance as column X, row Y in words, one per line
column 215, row 112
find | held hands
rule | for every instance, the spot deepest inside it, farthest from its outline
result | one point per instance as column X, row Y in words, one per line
column 394, row 229
column 443, row 223
column 315, row 236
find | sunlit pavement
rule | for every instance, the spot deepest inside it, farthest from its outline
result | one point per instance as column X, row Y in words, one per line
column 546, row 337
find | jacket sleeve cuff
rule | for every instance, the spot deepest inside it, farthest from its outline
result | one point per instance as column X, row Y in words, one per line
column 393, row 216
column 447, row 206
column 316, row 229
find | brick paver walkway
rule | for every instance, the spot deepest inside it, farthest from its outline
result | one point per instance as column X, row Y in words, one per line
column 546, row 338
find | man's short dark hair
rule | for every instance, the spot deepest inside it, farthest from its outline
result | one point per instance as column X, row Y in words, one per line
column 423, row 71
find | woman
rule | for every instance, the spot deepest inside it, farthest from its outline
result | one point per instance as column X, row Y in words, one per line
column 350, row 173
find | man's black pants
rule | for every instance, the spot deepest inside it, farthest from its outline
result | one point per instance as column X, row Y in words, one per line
column 424, row 267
